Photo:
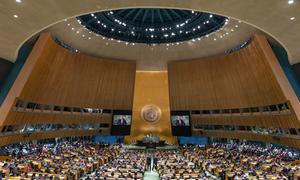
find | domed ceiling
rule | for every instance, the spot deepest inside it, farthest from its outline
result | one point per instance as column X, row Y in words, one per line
column 152, row 25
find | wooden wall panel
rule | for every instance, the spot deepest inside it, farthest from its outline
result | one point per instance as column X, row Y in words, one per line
column 151, row 88
column 250, row 77
column 241, row 79
column 292, row 142
column 15, row 118
column 38, row 52
column 66, row 78
column 280, row 121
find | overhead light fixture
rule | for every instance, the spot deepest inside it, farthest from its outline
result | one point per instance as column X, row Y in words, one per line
column 292, row 18
column 290, row 1
column 16, row 16
column 18, row 1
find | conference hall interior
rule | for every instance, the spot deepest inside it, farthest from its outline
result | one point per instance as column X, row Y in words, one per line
column 150, row 90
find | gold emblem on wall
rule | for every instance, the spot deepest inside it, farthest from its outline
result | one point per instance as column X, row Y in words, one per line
column 151, row 113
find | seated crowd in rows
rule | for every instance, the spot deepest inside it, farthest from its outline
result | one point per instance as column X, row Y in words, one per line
column 242, row 161
column 74, row 159
column 130, row 164
column 172, row 165
column 63, row 160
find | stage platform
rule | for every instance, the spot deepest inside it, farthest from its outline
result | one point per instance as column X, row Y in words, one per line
column 136, row 147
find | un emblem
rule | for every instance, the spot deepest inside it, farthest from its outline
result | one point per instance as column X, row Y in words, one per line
column 151, row 113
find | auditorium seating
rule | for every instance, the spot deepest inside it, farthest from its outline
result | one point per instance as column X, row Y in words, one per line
column 63, row 160
column 234, row 161
column 172, row 165
column 128, row 165
column 79, row 158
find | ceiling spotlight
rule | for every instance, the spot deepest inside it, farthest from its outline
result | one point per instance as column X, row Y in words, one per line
column 211, row 16
column 236, row 26
column 215, row 39
column 232, row 30
column 292, row 18
column 16, row 16
column 92, row 14
column 72, row 29
column 90, row 38
column 83, row 35
column 77, row 32
column 69, row 24
column 18, row 1
column 290, row 1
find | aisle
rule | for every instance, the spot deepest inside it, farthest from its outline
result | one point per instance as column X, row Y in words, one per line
column 151, row 175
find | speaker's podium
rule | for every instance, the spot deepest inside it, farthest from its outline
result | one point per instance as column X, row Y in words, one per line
column 151, row 141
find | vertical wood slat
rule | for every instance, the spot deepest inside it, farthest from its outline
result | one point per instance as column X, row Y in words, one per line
column 73, row 79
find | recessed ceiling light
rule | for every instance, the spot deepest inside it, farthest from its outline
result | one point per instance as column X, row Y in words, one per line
column 16, row 16
column 290, row 1
column 18, row 1
column 236, row 26
column 215, row 39
column 292, row 18
column 77, row 32
column 69, row 24
column 90, row 38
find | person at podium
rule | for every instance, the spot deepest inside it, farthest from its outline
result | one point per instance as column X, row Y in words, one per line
column 179, row 121
column 121, row 120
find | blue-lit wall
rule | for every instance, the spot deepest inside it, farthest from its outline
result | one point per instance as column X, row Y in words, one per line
column 15, row 70
column 107, row 139
column 288, row 69
column 199, row 140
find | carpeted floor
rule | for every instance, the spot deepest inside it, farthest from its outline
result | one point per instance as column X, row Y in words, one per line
column 150, row 175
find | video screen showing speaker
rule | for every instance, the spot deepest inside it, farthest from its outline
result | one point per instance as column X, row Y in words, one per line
column 180, row 121
column 121, row 122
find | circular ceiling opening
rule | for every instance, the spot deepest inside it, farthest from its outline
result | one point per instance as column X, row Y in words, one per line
column 152, row 25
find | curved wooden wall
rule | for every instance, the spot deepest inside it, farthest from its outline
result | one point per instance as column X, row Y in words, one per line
column 74, row 79
column 250, row 77
column 241, row 79
column 55, row 76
